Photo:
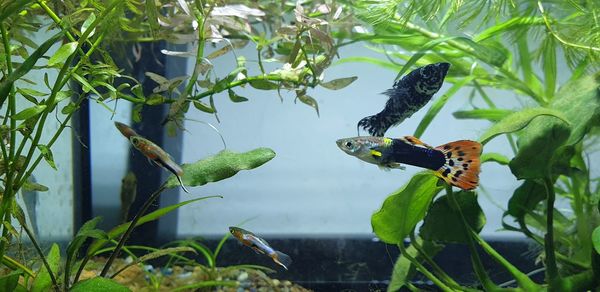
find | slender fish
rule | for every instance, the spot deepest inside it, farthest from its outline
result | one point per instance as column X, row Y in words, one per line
column 457, row 163
column 407, row 96
column 260, row 245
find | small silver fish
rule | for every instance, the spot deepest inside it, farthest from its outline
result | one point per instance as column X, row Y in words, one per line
column 260, row 245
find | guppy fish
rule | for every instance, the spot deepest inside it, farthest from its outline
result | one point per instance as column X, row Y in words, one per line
column 407, row 96
column 457, row 163
column 152, row 152
column 260, row 245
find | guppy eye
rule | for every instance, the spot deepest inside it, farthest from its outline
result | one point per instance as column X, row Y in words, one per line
column 348, row 144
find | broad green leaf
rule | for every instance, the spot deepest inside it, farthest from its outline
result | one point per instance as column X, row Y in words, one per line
column 47, row 154
column 538, row 146
column 33, row 186
column 154, row 255
column 63, row 53
column 42, row 281
column 310, row 102
column 494, row 157
column 404, row 208
column 579, row 101
column 438, row 105
column 26, row 66
column 69, row 108
column 99, row 284
column 404, row 270
column 32, row 92
column 113, row 233
column 263, row 84
column 490, row 114
column 236, row 98
column 29, row 112
column 525, row 199
column 339, row 83
column 519, row 120
column 204, row 107
column 86, row 24
column 9, row 282
column 443, row 222
column 596, row 239
column 221, row 166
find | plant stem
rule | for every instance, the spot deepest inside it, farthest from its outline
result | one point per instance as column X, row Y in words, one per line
column 423, row 270
column 475, row 259
column 42, row 256
column 551, row 269
column 524, row 281
column 15, row 265
column 134, row 221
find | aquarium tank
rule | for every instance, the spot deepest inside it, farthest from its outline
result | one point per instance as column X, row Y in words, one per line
column 395, row 145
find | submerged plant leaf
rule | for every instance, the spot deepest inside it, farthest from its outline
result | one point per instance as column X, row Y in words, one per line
column 47, row 154
column 86, row 24
column 98, row 284
column 42, row 281
column 63, row 53
column 490, row 114
column 29, row 112
column 443, row 222
column 305, row 99
column 404, row 208
column 596, row 239
column 263, row 84
column 113, row 233
column 339, row 83
column 525, row 199
column 494, row 157
column 9, row 282
column 221, row 166
column 155, row 254
column 404, row 270
column 33, row 186
column 519, row 120
column 236, row 98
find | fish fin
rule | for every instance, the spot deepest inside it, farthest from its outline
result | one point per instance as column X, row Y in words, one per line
column 374, row 125
column 415, row 141
column 282, row 259
column 462, row 164
column 257, row 250
column 181, row 183
column 384, row 167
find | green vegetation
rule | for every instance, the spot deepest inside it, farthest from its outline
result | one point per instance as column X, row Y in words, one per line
column 512, row 46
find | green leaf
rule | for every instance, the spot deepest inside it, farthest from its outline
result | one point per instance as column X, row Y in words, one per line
column 42, row 281
column 221, row 166
column 236, row 98
column 263, row 84
column 99, row 284
column 549, row 65
column 443, row 222
column 26, row 66
column 579, row 101
column 63, row 53
column 154, row 255
column 204, row 107
column 29, row 112
column 339, row 83
column 152, row 16
column 220, row 52
column 33, row 186
column 86, row 24
column 310, row 102
column 9, row 282
column 404, row 208
column 494, row 157
column 596, row 239
column 525, row 199
column 519, row 120
column 404, row 270
column 113, row 233
column 424, row 50
column 512, row 24
column 47, row 154
column 538, row 146
column 69, row 108
column 490, row 114
column 438, row 105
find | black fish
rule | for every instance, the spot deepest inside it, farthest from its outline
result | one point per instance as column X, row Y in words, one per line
column 408, row 95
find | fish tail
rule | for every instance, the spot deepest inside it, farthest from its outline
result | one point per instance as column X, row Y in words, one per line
column 462, row 164
column 375, row 125
column 282, row 259
column 181, row 184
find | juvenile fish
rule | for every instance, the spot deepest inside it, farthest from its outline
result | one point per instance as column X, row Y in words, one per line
column 158, row 156
column 457, row 163
column 407, row 96
column 260, row 245
column 152, row 152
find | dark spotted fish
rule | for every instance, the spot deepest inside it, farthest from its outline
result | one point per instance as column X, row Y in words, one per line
column 260, row 245
column 457, row 162
column 407, row 96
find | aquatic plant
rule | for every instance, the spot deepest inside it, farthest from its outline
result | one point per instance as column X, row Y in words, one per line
column 510, row 40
